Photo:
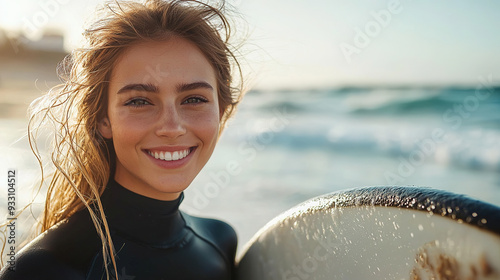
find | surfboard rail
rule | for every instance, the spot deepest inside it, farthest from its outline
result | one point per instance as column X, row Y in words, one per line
column 353, row 234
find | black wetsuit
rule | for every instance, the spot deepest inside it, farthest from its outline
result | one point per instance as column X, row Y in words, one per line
column 152, row 239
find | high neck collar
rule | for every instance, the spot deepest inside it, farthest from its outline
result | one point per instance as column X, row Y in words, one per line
column 142, row 219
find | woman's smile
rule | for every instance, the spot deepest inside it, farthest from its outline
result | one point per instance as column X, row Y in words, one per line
column 168, row 155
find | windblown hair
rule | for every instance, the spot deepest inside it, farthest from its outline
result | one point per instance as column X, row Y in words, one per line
column 83, row 159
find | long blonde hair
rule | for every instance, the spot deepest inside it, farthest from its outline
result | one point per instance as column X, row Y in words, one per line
column 82, row 158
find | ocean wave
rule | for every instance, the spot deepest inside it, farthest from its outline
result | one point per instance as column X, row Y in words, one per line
column 478, row 150
column 429, row 104
column 388, row 122
column 374, row 101
column 418, row 101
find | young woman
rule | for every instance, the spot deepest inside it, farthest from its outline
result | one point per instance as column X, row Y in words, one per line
column 138, row 118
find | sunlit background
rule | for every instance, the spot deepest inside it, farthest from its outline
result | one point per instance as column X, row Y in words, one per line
column 344, row 94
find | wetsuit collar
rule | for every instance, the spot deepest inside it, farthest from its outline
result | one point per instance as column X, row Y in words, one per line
column 142, row 219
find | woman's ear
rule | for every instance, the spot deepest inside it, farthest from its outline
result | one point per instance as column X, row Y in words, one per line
column 104, row 127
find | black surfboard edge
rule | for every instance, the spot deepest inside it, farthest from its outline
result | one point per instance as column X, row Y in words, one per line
column 438, row 202
column 458, row 207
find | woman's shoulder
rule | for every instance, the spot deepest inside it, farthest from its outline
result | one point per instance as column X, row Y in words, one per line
column 220, row 233
column 39, row 263
column 62, row 252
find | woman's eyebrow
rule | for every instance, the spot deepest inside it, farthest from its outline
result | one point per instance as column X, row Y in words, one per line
column 192, row 86
column 152, row 88
column 139, row 87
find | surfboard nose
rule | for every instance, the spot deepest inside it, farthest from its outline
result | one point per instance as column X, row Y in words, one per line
column 378, row 233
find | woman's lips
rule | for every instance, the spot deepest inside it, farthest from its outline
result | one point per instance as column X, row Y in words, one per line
column 170, row 154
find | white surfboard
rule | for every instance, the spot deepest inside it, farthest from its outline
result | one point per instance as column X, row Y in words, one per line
column 378, row 233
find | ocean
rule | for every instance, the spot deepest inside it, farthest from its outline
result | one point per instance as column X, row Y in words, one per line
column 284, row 147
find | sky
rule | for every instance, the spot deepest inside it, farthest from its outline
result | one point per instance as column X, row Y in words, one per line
column 329, row 43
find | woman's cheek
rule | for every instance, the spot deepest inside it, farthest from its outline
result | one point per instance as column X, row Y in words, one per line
column 129, row 126
column 213, row 122
column 206, row 126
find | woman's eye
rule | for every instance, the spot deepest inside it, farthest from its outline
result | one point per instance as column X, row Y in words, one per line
column 195, row 100
column 137, row 102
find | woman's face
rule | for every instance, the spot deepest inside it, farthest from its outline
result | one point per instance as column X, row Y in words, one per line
column 163, row 116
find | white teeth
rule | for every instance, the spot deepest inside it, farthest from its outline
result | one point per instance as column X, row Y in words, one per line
column 175, row 155
column 168, row 156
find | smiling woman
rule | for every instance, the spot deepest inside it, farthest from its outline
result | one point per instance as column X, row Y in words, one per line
column 138, row 117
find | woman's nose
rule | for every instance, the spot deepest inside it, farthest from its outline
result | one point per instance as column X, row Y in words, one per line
column 170, row 123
